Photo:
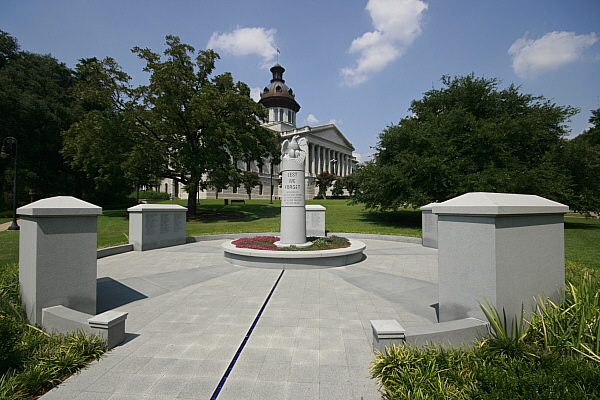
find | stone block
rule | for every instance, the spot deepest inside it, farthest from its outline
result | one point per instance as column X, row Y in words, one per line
column 315, row 220
column 387, row 332
column 57, row 255
column 109, row 325
column 429, row 222
column 153, row 226
column 505, row 248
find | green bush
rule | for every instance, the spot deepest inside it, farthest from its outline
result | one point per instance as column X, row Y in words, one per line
column 150, row 195
column 439, row 373
column 556, row 355
column 11, row 318
column 31, row 360
column 572, row 326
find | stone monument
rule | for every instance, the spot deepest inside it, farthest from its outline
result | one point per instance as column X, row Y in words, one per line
column 505, row 248
column 293, row 211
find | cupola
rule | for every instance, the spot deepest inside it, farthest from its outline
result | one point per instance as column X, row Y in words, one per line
column 279, row 99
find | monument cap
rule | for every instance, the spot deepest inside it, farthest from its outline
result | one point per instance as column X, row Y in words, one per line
column 484, row 203
column 60, row 206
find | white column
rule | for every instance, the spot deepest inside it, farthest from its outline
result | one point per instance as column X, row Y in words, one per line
column 345, row 164
column 319, row 159
column 307, row 163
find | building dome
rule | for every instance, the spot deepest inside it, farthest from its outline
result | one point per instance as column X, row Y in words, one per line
column 277, row 93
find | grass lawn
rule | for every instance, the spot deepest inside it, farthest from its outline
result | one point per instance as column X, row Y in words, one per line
column 582, row 236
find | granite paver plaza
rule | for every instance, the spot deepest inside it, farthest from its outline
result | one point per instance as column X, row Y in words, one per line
column 189, row 311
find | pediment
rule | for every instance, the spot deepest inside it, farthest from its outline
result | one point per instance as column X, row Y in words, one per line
column 332, row 134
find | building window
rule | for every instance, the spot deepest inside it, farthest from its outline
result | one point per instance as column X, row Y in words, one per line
column 260, row 189
column 281, row 114
column 290, row 116
column 235, row 189
column 278, row 89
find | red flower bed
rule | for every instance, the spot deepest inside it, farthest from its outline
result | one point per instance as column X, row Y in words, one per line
column 267, row 243
column 256, row 243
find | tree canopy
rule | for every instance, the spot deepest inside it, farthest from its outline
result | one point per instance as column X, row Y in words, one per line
column 35, row 106
column 469, row 136
column 580, row 159
column 185, row 123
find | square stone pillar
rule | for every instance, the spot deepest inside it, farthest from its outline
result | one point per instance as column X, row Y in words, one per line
column 153, row 226
column 315, row 220
column 57, row 255
column 429, row 228
column 506, row 248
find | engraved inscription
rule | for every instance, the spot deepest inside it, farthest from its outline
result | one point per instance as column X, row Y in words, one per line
column 151, row 224
column 178, row 222
column 293, row 188
column 165, row 223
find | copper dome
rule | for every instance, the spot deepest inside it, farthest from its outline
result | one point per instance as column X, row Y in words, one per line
column 277, row 93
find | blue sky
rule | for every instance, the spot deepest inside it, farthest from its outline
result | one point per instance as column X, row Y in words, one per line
column 356, row 63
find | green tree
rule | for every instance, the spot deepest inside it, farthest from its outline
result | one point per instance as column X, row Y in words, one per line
column 338, row 187
column 106, row 144
column 350, row 184
column 580, row 157
column 468, row 136
column 35, row 106
column 323, row 181
column 250, row 180
column 221, row 179
column 187, row 122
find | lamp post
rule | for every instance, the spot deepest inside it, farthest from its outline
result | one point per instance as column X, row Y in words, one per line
column 271, row 176
column 333, row 163
column 10, row 141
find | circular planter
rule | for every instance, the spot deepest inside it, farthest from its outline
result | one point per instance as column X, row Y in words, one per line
column 294, row 259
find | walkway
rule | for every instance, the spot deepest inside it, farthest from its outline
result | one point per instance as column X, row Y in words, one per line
column 189, row 311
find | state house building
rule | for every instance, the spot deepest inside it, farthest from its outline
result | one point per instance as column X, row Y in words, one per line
column 328, row 151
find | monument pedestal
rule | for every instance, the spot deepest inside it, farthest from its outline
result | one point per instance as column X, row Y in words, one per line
column 293, row 211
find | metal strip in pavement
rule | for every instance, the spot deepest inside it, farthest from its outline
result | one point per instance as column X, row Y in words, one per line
column 239, row 350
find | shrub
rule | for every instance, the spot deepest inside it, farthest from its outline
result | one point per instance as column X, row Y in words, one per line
column 150, row 195
column 572, row 326
column 436, row 372
column 555, row 355
column 31, row 360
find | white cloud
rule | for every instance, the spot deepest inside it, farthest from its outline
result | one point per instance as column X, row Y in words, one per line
column 246, row 41
column 311, row 119
column 336, row 121
column 397, row 24
column 550, row 52
column 255, row 93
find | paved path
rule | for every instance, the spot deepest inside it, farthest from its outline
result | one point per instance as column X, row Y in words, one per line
column 6, row 225
column 189, row 311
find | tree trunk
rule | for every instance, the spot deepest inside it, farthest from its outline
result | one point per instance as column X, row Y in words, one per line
column 192, row 204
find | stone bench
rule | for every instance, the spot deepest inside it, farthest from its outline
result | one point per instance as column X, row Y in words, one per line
column 457, row 333
column 238, row 201
column 387, row 332
column 109, row 325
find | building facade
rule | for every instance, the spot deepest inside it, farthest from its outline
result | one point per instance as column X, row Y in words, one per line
column 329, row 150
